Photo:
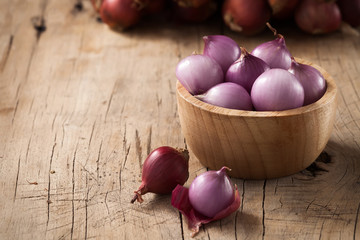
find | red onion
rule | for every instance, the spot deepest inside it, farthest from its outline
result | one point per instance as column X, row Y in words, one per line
column 228, row 95
column 274, row 53
column 120, row 14
column 210, row 197
column 246, row 69
column 151, row 6
column 311, row 79
column 198, row 73
column 282, row 9
column 195, row 14
column 276, row 90
column 350, row 11
column 222, row 49
column 163, row 169
column 246, row 16
column 191, row 3
column 318, row 17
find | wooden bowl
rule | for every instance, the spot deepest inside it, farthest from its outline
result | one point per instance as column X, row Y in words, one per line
column 255, row 144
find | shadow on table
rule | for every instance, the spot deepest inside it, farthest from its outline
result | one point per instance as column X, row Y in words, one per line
column 334, row 159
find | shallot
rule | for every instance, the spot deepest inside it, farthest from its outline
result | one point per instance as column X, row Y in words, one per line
column 246, row 16
column 228, row 95
column 246, row 69
column 311, row 79
column 198, row 73
column 318, row 17
column 163, row 169
column 277, row 90
column 274, row 53
column 222, row 49
column 211, row 197
column 120, row 14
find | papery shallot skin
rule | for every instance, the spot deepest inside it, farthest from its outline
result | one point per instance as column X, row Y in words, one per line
column 180, row 200
column 211, row 196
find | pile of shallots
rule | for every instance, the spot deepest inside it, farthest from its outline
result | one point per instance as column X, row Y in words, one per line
column 267, row 79
column 246, row 16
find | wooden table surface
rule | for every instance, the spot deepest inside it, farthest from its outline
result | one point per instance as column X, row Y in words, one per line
column 81, row 107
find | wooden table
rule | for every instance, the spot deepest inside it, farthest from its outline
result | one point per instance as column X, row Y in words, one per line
column 81, row 107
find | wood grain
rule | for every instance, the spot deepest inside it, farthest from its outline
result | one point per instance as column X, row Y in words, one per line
column 81, row 106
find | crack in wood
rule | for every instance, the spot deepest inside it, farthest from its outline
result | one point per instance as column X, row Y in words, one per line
column 92, row 133
column 53, row 121
column 42, row 196
column 263, row 210
column 109, row 103
column 235, row 225
column 158, row 100
column 106, row 204
column 122, row 166
column 29, row 64
column 356, row 221
column 63, row 134
column 148, row 145
column 92, row 176
column 138, row 149
column 17, row 178
column 321, row 229
column 98, row 162
column 242, row 196
column 73, row 193
column 7, row 53
column 49, row 179
column 31, row 105
column 86, row 206
column 181, row 226
column 27, row 149
column 308, row 206
column 15, row 111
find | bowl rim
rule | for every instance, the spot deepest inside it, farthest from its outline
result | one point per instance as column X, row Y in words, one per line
column 328, row 97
